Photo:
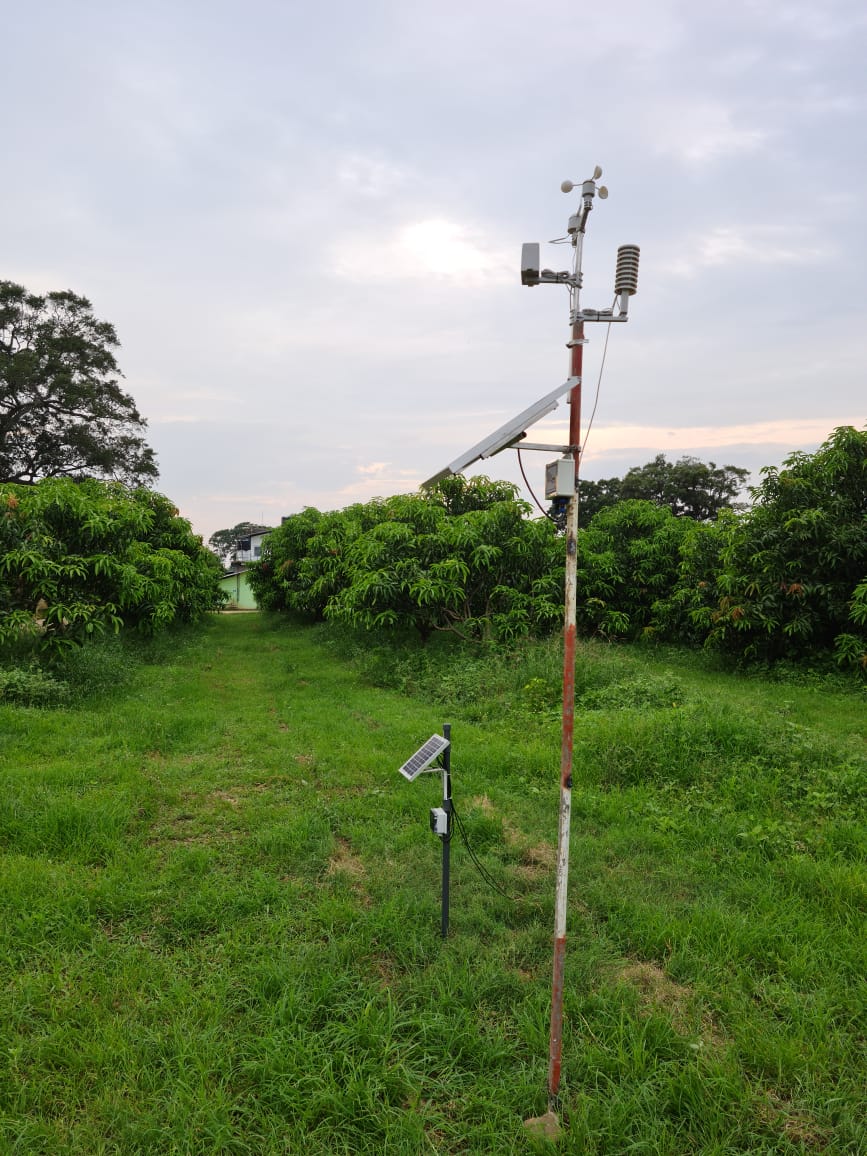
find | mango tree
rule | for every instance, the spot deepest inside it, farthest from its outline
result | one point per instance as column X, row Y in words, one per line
column 793, row 577
column 80, row 558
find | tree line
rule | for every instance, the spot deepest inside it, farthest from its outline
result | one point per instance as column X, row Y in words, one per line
column 784, row 578
column 86, row 547
column 665, row 551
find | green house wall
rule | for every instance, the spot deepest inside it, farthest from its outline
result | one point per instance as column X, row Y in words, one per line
column 240, row 594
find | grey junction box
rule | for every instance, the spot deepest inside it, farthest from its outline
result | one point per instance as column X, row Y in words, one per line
column 560, row 478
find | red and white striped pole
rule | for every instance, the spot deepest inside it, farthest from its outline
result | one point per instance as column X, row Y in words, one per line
column 577, row 226
column 555, row 1050
column 625, row 285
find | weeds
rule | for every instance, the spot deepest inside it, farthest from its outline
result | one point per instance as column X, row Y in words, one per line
column 219, row 906
column 31, row 686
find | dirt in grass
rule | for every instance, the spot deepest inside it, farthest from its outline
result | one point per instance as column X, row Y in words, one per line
column 512, row 835
column 225, row 797
column 796, row 1125
column 538, row 861
column 344, row 862
column 659, row 992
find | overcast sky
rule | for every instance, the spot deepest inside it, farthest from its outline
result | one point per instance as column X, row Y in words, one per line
column 305, row 222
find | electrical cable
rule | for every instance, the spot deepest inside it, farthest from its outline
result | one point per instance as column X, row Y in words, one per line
column 482, row 870
column 530, row 488
column 586, row 432
column 598, row 385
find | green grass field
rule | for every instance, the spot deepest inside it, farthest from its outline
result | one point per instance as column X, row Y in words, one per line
column 220, row 907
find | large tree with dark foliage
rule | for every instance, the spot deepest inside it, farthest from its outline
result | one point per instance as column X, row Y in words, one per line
column 224, row 543
column 689, row 487
column 62, row 410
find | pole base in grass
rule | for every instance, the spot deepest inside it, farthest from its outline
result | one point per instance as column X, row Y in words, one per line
column 545, row 1127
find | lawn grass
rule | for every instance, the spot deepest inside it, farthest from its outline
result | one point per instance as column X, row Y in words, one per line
column 219, row 907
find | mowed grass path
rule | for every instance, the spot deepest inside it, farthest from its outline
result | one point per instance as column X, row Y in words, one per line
column 220, row 917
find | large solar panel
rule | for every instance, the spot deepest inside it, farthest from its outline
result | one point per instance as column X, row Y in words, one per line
column 424, row 756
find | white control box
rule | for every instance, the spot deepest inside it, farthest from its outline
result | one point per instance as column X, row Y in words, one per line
column 560, row 478
column 439, row 821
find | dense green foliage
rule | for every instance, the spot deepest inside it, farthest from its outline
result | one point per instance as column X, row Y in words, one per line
column 78, row 559
column 463, row 557
column 788, row 579
column 628, row 558
column 62, row 410
column 688, row 487
column 784, row 579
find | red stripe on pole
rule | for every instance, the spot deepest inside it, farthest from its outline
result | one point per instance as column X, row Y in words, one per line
column 555, row 1053
column 566, row 746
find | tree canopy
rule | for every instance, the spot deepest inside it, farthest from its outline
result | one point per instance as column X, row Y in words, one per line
column 462, row 557
column 62, row 410
column 689, row 487
column 792, row 574
column 80, row 558
column 224, row 542
column 786, row 578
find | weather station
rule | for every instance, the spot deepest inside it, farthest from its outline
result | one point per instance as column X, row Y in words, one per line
column 561, row 485
column 435, row 755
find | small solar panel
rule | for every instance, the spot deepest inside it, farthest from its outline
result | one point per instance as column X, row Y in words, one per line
column 424, row 756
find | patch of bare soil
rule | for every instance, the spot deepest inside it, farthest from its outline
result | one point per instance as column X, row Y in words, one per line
column 795, row 1124
column 512, row 835
column 345, row 862
column 225, row 797
column 659, row 992
column 537, row 861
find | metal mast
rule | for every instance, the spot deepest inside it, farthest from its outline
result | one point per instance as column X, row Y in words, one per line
column 626, row 284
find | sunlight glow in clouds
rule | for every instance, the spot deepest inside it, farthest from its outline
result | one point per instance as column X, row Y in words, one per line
column 794, row 433
column 380, row 478
column 435, row 247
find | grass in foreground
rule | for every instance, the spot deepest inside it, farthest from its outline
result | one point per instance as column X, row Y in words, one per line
column 220, row 908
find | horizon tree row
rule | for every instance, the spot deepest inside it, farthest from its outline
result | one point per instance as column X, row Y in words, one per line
column 785, row 578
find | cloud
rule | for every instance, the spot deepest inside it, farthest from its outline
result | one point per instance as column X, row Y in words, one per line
column 759, row 245
column 791, row 432
column 431, row 247
column 697, row 135
column 371, row 176
column 377, row 479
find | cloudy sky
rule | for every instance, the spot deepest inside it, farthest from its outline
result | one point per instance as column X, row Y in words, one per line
column 305, row 223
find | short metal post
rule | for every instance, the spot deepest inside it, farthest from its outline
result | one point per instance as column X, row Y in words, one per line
column 447, row 838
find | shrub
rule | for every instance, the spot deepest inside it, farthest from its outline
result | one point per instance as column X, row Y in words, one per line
column 82, row 559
